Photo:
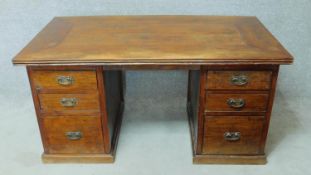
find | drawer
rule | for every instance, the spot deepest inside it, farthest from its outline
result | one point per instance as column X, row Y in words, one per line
column 69, row 103
column 236, row 102
column 250, row 80
column 68, row 134
column 232, row 134
column 64, row 80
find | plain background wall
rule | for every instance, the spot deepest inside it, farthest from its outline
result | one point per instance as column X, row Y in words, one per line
column 156, row 93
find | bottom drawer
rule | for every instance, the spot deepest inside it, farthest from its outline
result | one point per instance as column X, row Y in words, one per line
column 72, row 134
column 232, row 134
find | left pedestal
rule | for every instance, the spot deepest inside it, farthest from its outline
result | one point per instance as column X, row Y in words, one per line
column 79, row 111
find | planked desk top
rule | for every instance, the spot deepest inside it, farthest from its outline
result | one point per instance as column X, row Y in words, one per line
column 122, row 40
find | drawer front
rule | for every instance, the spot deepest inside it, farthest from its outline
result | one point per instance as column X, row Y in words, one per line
column 232, row 134
column 236, row 102
column 65, row 80
column 250, row 80
column 69, row 103
column 72, row 135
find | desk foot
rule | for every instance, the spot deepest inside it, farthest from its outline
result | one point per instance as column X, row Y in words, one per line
column 77, row 158
column 229, row 159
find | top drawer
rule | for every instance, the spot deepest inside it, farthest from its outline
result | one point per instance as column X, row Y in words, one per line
column 250, row 80
column 64, row 80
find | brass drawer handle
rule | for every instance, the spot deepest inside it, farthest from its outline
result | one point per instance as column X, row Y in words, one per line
column 68, row 102
column 74, row 135
column 236, row 103
column 65, row 80
column 232, row 136
column 239, row 80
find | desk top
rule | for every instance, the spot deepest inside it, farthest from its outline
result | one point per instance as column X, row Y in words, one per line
column 122, row 40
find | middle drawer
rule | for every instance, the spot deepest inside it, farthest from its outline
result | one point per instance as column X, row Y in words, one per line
column 69, row 103
column 242, row 102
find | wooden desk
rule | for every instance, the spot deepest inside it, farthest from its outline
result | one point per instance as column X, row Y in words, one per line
column 75, row 67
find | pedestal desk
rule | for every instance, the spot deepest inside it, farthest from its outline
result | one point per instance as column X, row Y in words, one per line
column 76, row 66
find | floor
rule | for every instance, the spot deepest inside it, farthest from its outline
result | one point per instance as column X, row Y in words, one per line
column 155, row 136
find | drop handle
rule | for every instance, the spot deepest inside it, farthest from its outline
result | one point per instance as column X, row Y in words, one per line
column 74, row 135
column 65, row 80
column 236, row 103
column 232, row 136
column 239, row 80
column 68, row 102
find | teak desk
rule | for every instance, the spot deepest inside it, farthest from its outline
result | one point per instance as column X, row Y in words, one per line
column 75, row 67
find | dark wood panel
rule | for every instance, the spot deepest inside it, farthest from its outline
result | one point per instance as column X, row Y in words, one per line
column 249, row 127
column 202, row 102
column 103, row 108
column 56, row 128
column 241, row 80
column 269, row 109
column 114, row 97
column 193, row 104
column 36, row 103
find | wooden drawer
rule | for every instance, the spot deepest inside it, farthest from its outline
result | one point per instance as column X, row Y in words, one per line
column 216, row 102
column 64, row 80
column 232, row 134
column 69, row 103
column 72, row 134
column 250, row 80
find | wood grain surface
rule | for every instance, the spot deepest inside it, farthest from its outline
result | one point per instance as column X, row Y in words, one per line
column 154, row 40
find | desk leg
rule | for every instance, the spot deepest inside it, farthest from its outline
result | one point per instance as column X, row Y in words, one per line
column 94, row 119
column 211, row 118
column 114, row 95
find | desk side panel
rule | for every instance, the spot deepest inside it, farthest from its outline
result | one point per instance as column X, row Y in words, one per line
column 193, row 104
column 114, row 97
